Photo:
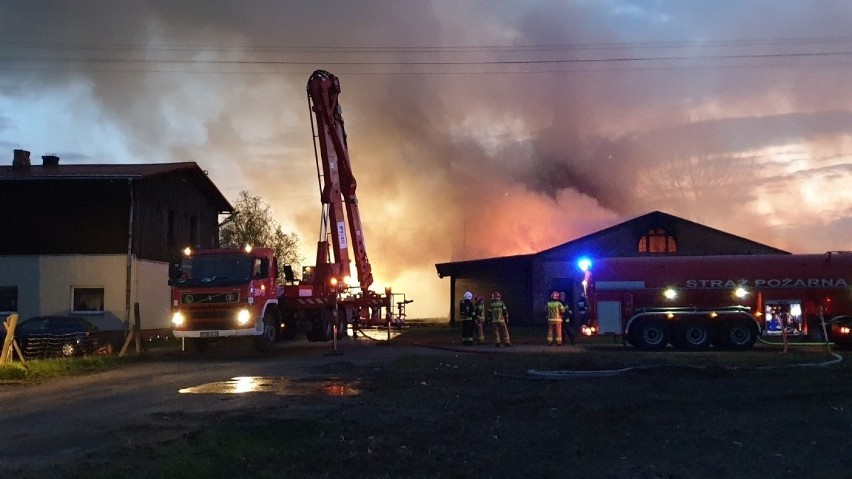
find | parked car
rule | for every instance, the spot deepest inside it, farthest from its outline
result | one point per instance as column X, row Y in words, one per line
column 840, row 331
column 61, row 336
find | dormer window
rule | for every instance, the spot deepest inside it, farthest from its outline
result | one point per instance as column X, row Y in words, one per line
column 657, row 241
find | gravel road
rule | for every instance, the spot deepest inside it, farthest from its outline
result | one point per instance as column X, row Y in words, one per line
column 172, row 393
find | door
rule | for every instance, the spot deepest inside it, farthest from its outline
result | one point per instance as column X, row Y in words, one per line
column 609, row 317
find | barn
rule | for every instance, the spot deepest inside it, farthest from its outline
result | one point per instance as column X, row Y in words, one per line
column 94, row 239
column 526, row 281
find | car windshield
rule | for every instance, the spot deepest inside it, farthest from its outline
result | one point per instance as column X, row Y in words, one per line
column 215, row 270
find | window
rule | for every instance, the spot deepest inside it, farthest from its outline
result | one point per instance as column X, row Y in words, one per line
column 8, row 299
column 87, row 300
column 657, row 241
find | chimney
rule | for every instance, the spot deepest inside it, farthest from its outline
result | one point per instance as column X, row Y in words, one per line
column 21, row 159
column 50, row 160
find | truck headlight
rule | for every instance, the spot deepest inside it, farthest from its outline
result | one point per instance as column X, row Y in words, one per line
column 243, row 316
column 178, row 318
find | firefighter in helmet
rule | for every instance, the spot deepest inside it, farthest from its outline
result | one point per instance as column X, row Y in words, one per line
column 500, row 319
column 468, row 315
column 555, row 309
column 479, row 308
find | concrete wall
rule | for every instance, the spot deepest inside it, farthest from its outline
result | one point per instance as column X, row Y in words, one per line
column 46, row 283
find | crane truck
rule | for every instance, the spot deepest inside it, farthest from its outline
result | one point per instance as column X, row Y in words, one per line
column 693, row 302
column 222, row 293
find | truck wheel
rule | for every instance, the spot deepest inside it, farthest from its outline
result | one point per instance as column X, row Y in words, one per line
column 196, row 345
column 290, row 328
column 265, row 341
column 651, row 334
column 323, row 330
column 738, row 335
column 693, row 334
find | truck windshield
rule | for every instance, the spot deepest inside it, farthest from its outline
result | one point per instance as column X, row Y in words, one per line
column 215, row 270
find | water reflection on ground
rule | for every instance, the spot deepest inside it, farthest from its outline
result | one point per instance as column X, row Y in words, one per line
column 275, row 385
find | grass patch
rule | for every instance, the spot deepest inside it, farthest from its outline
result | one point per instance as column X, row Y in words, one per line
column 40, row 369
column 247, row 446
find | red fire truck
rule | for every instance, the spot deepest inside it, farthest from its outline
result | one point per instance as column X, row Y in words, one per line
column 231, row 292
column 692, row 302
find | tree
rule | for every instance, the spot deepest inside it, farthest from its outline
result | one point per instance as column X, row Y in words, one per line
column 252, row 223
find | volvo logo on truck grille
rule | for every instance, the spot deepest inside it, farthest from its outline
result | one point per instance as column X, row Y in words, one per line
column 229, row 297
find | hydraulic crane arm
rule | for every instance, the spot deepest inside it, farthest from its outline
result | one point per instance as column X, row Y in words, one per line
column 337, row 183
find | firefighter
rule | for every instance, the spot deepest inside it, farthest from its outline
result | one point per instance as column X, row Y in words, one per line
column 582, row 310
column 468, row 315
column 500, row 319
column 479, row 308
column 570, row 325
column 554, row 320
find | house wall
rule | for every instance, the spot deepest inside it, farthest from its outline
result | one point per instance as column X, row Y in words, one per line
column 64, row 217
column 510, row 277
column 82, row 216
column 45, row 286
column 22, row 271
column 194, row 220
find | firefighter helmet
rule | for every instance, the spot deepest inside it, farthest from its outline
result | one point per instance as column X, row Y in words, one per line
column 468, row 295
column 554, row 295
column 496, row 295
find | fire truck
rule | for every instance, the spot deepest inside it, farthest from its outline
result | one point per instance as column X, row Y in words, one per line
column 693, row 302
column 220, row 293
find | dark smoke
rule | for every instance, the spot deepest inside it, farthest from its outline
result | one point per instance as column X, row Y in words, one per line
column 460, row 161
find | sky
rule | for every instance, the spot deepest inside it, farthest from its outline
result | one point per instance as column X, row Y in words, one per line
column 476, row 129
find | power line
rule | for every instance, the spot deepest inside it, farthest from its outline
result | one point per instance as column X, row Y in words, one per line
column 740, row 42
column 751, row 56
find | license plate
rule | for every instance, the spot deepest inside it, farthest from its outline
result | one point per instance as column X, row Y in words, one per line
column 209, row 334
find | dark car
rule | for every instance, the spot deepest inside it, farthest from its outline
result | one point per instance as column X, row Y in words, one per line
column 840, row 331
column 60, row 336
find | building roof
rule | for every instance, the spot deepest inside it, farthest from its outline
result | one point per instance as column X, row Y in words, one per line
column 658, row 217
column 112, row 172
column 654, row 217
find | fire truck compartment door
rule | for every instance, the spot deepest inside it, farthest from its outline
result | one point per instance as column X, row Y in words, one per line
column 609, row 317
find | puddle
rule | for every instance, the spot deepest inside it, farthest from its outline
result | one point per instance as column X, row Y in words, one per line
column 273, row 385
column 377, row 334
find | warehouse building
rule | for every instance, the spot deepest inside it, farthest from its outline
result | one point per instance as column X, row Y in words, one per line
column 526, row 281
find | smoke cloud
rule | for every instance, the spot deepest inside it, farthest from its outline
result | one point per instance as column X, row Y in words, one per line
column 476, row 129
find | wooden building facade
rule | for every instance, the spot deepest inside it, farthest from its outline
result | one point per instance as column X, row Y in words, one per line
column 89, row 239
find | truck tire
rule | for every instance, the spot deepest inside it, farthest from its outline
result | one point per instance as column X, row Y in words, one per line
column 693, row 334
column 265, row 341
column 323, row 329
column 738, row 334
column 651, row 334
column 290, row 328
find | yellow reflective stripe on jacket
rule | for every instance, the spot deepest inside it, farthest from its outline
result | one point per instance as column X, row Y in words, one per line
column 555, row 310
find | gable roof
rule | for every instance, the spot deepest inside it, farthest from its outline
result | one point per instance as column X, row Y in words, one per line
column 654, row 217
column 658, row 217
column 128, row 172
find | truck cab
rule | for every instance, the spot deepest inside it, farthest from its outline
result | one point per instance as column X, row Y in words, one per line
column 221, row 293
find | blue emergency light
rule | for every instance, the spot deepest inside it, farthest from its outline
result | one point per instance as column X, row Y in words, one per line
column 584, row 264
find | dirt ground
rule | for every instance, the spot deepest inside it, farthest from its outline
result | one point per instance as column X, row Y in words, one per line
column 427, row 407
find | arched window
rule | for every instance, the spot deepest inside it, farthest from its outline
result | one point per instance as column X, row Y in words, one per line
column 657, row 241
